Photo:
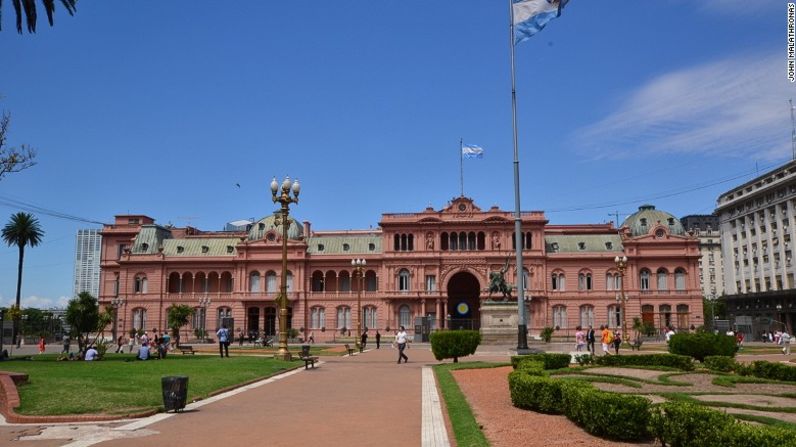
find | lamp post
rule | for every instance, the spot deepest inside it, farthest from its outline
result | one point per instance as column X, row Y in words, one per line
column 115, row 304
column 621, row 265
column 359, row 265
column 204, row 303
column 285, row 199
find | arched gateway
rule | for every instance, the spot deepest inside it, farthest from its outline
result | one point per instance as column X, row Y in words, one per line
column 463, row 301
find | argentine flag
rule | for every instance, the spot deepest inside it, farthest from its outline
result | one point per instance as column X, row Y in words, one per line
column 530, row 16
column 472, row 151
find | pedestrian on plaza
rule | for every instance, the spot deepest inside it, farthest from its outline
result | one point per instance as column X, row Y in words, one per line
column 130, row 343
column 240, row 337
column 364, row 339
column 378, row 339
column 145, row 339
column 739, row 339
column 67, row 343
column 223, row 340
column 311, row 338
column 669, row 334
column 42, row 345
column 580, row 338
column 400, row 341
column 785, row 340
column 606, row 338
column 590, row 340
column 617, row 340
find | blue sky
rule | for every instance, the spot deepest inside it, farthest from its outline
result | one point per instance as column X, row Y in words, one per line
column 162, row 108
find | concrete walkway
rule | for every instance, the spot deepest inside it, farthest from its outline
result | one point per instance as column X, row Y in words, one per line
column 362, row 400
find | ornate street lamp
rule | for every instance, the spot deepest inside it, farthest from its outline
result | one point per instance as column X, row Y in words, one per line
column 359, row 265
column 285, row 199
column 621, row 265
column 116, row 302
column 204, row 303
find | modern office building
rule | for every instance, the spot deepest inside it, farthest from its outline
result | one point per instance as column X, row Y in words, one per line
column 711, row 271
column 433, row 264
column 757, row 232
column 87, row 262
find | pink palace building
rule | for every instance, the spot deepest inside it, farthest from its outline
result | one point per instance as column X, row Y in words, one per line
column 425, row 270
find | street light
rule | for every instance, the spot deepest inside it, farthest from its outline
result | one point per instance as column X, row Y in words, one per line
column 358, row 265
column 621, row 265
column 204, row 303
column 285, row 199
column 116, row 303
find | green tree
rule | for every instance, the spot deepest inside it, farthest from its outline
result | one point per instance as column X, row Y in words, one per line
column 28, row 7
column 83, row 315
column 178, row 317
column 22, row 230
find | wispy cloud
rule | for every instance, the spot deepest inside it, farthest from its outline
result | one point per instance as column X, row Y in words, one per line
column 733, row 107
column 37, row 302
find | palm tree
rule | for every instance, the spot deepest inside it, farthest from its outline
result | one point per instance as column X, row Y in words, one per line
column 29, row 8
column 23, row 229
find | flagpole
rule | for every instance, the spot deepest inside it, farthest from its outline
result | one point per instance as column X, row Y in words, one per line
column 522, row 327
column 461, row 165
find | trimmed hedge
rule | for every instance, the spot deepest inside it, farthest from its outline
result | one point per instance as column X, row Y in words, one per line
column 454, row 344
column 774, row 371
column 702, row 344
column 532, row 368
column 682, row 424
column 720, row 363
column 550, row 360
column 681, row 362
column 537, row 393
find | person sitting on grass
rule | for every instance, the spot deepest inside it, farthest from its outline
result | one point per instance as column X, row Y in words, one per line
column 143, row 353
column 91, row 354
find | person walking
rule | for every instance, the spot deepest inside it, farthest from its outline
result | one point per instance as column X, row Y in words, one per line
column 120, row 344
column 363, row 340
column 606, row 338
column 223, row 341
column 580, row 338
column 590, row 340
column 130, row 344
column 617, row 340
column 67, row 343
column 400, row 340
column 378, row 339
column 42, row 345
column 240, row 337
column 785, row 339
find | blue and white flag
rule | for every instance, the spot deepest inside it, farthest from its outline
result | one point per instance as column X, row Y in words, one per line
column 531, row 16
column 472, row 151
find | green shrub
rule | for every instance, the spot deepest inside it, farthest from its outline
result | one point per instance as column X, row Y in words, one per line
column 774, row 371
column 720, row 363
column 611, row 415
column 702, row 345
column 550, row 360
column 584, row 359
column 744, row 435
column 536, row 393
column 454, row 344
column 547, row 334
column 532, row 368
column 681, row 362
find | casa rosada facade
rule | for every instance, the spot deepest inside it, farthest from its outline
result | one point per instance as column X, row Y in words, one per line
column 433, row 264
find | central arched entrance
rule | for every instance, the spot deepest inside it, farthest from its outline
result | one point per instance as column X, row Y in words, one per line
column 463, row 301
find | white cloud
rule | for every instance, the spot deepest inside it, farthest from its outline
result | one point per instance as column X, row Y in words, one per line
column 37, row 302
column 733, row 107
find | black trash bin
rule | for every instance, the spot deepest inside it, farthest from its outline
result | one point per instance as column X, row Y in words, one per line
column 175, row 392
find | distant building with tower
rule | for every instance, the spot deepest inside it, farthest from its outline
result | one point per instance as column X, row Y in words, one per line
column 87, row 262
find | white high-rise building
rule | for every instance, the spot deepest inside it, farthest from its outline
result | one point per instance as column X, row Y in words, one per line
column 87, row 262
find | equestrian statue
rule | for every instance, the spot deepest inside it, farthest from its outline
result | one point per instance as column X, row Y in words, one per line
column 497, row 282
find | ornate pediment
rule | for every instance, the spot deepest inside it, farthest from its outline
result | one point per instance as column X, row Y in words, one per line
column 462, row 207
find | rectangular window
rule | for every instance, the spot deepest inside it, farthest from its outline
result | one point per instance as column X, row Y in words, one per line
column 559, row 317
column 431, row 283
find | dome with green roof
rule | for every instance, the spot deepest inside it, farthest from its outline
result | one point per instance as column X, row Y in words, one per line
column 267, row 223
column 648, row 217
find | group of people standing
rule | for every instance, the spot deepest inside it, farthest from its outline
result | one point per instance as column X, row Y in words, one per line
column 608, row 339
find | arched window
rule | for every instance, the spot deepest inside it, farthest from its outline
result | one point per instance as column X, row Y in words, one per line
column 139, row 319
column 587, row 315
column 411, row 245
column 404, row 316
column 644, row 279
column 289, row 281
column 614, row 316
column 454, row 241
column 584, row 281
column 254, row 282
column 227, row 283
column 471, row 240
column 270, row 282
column 175, row 283
column 370, row 318
column 666, row 315
column 609, row 281
column 317, row 317
column 198, row 318
column 397, row 242
column 371, row 282
column 679, row 279
column 462, row 241
column 559, row 317
column 527, row 241
column 648, row 314
column 662, row 279
column 682, row 316
column 140, row 284
column 558, row 281
column 481, row 240
column 443, row 241
column 343, row 317
column 345, row 282
column 224, row 318
column 317, row 281
column 403, row 280
column 403, row 242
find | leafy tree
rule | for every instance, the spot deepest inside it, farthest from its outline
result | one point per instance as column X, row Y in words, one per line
column 454, row 344
column 28, row 7
column 83, row 315
column 23, row 229
column 178, row 317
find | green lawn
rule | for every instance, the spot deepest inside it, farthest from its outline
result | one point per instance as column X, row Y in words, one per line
column 117, row 386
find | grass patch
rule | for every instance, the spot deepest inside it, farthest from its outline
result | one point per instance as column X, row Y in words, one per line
column 687, row 398
column 666, row 379
column 765, row 421
column 466, row 429
column 729, row 381
column 116, row 386
column 593, row 378
column 583, row 372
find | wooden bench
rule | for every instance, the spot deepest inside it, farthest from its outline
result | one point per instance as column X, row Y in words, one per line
column 186, row 349
column 307, row 358
column 349, row 349
column 636, row 345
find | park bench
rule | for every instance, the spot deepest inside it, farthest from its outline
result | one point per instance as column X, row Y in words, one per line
column 186, row 349
column 636, row 345
column 306, row 357
column 349, row 349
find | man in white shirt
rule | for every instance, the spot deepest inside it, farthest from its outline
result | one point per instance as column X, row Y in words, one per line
column 400, row 340
column 669, row 334
column 785, row 340
column 91, row 354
